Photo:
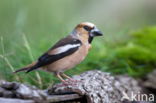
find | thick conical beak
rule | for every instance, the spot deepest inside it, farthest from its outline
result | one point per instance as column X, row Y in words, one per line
column 95, row 32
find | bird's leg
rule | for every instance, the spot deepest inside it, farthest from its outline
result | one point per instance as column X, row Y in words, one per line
column 66, row 76
column 69, row 78
column 58, row 75
column 64, row 82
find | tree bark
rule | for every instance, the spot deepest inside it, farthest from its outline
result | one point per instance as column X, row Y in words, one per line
column 10, row 100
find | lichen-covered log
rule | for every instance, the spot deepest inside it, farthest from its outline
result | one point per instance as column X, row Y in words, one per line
column 10, row 100
column 99, row 87
column 93, row 87
column 17, row 90
column 26, row 92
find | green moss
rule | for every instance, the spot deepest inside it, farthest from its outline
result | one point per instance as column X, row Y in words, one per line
column 138, row 53
column 146, row 38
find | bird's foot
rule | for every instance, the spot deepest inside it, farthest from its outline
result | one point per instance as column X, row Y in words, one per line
column 66, row 83
column 69, row 82
column 73, row 80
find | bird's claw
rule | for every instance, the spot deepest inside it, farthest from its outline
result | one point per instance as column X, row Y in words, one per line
column 73, row 80
column 69, row 82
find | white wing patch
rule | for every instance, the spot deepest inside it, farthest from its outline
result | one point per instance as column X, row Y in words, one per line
column 66, row 48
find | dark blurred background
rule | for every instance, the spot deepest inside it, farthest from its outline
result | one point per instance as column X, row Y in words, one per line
column 30, row 27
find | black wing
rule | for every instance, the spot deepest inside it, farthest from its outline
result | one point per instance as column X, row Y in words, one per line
column 47, row 58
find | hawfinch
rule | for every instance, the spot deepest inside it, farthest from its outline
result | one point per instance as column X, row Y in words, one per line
column 66, row 53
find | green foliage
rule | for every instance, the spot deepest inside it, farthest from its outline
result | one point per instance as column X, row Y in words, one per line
column 137, row 55
column 134, row 55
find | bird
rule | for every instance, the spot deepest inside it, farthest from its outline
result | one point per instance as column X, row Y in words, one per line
column 67, row 52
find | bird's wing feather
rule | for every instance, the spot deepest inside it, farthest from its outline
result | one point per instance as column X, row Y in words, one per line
column 61, row 49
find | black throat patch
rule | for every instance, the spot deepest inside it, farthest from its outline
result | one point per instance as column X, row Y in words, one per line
column 90, row 39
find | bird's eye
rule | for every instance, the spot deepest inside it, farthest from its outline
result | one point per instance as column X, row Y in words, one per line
column 87, row 28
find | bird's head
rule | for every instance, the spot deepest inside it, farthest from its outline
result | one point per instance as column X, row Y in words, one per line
column 86, row 31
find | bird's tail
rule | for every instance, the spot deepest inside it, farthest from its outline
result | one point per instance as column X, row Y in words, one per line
column 28, row 68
